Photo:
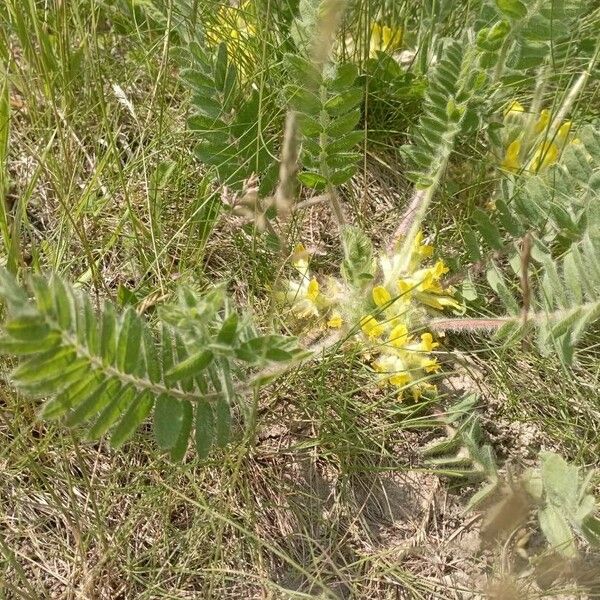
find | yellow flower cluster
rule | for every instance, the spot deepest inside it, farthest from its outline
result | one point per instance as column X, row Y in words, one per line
column 304, row 295
column 401, row 358
column 237, row 27
column 536, row 149
column 384, row 39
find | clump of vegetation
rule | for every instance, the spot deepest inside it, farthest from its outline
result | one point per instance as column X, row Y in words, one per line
column 200, row 346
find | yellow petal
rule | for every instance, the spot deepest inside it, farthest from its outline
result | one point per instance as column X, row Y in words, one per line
column 427, row 281
column 427, row 343
column 375, row 41
column 420, row 249
column 399, row 335
column 381, row 296
column 430, row 365
column 371, row 327
column 438, row 302
column 542, row 122
column 545, row 155
column 400, row 379
column 392, row 38
column 404, row 287
column 511, row 158
column 564, row 130
column 313, row 290
column 440, row 269
column 514, row 107
column 336, row 321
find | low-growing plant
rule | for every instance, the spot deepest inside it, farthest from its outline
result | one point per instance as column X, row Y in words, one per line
column 204, row 360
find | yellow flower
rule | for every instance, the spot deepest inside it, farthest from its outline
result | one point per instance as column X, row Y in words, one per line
column 384, row 39
column 545, row 155
column 440, row 269
column 542, row 123
column 394, row 369
column 236, row 26
column 427, row 343
column 430, row 365
column 381, row 296
column 439, row 302
column 335, row 321
column 514, row 107
column 563, row 131
column 400, row 379
column 420, row 249
column 511, row 158
column 399, row 335
column 545, row 142
column 371, row 327
column 312, row 292
column 404, row 287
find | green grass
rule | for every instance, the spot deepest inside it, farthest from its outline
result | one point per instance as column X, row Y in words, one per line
column 327, row 496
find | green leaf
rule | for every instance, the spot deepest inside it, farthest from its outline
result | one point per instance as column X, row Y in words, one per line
column 44, row 366
column 312, row 180
column 488, row 230
column 358, row 266
column 95, row 402
column 189, row 367
column 344, row 124
column 498, row 284
column 28, row 328
column 482, row 495
column 557, row 531
column 221, row 66
column 304, row 100
column 111, row 412
column 341, row 176
column 512, row 8
column 444, row 447
column 128, row 345
column 150, row 356
column 10, row 290
column 180, row 446
column 591, row 530
column 205, row 428
column 227, row 334
column 207, row 106
column 21, row 347
column 222, row 422
column 72, row 396
column 138, row 411
column 63, row 303
column 275, row 348
column 303, row 70
column 309, row 126
column 108, row 334
column 345, row 76
column 169, row 414
column 87, row 325
column 196, row 79
column 561, row 480
column 344, row 102
column 43, row 296
column 346, row 142
column 217, row 128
